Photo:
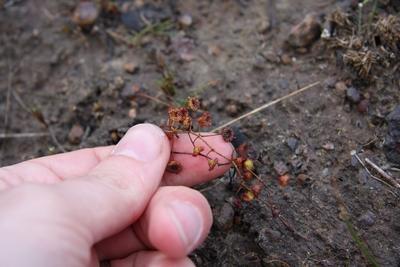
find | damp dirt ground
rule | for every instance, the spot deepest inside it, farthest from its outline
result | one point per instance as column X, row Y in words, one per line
column 234, row 57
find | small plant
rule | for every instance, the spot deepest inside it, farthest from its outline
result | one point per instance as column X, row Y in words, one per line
column 189, row 119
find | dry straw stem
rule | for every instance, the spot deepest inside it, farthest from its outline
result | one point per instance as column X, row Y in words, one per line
column 267, row 105
column 353, row 153
column 389, row 178
column 22, row 135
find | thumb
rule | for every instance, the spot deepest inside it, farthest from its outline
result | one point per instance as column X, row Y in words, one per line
column 115, row 193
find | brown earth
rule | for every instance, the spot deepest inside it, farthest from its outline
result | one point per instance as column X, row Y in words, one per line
column 331, row 206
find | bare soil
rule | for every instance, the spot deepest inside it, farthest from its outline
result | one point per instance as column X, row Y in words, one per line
column 335, row 213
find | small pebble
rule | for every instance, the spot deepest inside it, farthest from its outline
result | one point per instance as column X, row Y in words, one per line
column 280, row 168
column 292, row 143
column 353, row 95
column 232, row 109
column 75, row 134
column 328, row 146
column 305, row 33
column 341, row 87
column 214, row 50
column 185, row 20
column 325, row 172
column 85, row 14
column 264, row 26
column 303, row 179
column 130, row 68
column 367, row 219
column 286, row 59
column 132, row 113
column 363, row 106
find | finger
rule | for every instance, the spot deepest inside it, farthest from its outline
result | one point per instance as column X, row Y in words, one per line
column 119, row 245
column 195, row 169
column 151, row 258
column 114, row 194
column 175, row 222
column 53, row 169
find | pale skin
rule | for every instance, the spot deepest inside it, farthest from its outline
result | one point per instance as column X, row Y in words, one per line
column 111, row 204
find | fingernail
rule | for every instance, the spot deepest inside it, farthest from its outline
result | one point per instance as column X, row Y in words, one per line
column 188, row 222
column 143, row 142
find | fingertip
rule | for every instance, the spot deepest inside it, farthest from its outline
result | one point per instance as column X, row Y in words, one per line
column 195, row 170
column 177, row 220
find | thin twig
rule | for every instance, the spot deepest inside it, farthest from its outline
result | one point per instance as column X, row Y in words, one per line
column 155, row 99
column 55, row 140
column 32, row 112
column 354, row 153
column 119, row 38
column 21, row 135
column 388, row 178
column 267, row 105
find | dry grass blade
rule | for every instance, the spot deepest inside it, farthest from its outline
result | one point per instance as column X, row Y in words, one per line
column 40, row 118
column 353, row 153
column 267, row 105
column 22, row 135
column 389, row 178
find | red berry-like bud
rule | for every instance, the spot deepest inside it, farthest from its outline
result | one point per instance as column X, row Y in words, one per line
column 247, row 175
column 284, row 180
column 239, row 162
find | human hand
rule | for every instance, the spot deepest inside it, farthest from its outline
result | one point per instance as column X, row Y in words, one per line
column 107, row 203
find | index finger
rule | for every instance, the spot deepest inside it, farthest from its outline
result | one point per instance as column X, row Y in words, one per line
column 55, row 168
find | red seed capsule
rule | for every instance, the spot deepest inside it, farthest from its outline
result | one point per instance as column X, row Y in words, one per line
column 284, row 180
column 247, row 175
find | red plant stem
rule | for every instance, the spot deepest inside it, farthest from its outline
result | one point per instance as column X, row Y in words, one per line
column 258, row 178
column 199, row 136
column 201, row 155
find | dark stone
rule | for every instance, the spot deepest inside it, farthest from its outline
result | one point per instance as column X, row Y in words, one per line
column 280, row 168
column 353, row 95
column 292, row 143
column 305, row 33
column 392, row 139
column 239, row 137
column 367, row 219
